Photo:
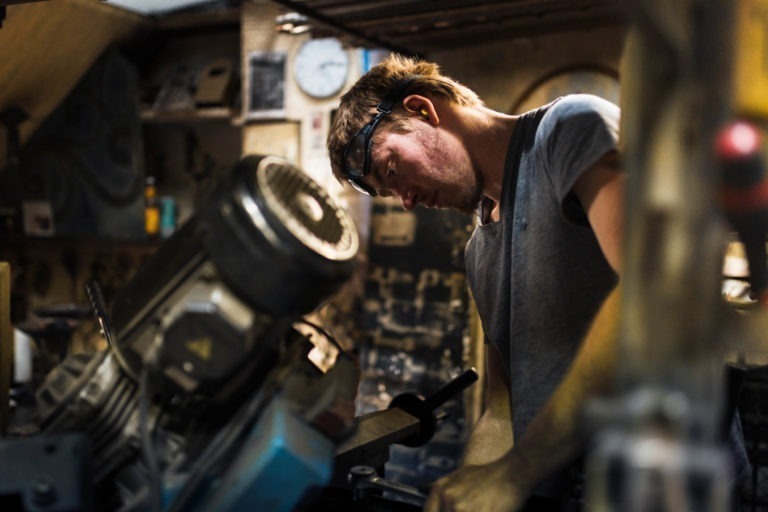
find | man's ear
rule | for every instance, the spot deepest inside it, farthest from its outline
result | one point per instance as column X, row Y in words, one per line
column 422, row 107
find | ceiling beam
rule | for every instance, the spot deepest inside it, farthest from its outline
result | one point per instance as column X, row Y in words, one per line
column 334, row 24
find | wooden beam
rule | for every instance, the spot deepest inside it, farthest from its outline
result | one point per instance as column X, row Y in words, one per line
column 11, row 2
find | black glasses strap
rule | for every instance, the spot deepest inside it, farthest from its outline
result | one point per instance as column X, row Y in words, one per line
column 393, row 95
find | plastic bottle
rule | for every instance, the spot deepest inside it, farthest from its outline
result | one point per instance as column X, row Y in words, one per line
column 167, row 216
column 151, row 209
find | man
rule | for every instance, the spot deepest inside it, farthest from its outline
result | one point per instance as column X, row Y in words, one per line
column 542, row 265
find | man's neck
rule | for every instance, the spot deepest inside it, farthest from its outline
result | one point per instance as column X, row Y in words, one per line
column 491, row 152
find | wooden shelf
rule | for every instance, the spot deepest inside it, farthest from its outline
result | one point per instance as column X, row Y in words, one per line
column 189, row 116
column 37, row 243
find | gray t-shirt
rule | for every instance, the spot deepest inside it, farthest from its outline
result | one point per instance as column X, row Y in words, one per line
column 538, row 275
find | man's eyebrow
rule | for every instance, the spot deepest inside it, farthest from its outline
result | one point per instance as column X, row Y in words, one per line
column 376, row 165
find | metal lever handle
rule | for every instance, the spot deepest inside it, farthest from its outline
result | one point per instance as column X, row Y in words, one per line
column 424, row 409
column 451, row 389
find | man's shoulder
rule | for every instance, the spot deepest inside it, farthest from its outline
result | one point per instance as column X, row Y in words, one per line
column 574, row 113
column 581, row 103
column 574, row 123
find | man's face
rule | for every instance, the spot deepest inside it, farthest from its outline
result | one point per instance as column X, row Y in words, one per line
column 427, row 166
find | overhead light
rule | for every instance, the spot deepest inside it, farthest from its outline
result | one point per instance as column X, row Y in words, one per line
column 292, row 23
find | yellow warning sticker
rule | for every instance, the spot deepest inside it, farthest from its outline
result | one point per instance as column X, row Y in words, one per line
column 201, row 347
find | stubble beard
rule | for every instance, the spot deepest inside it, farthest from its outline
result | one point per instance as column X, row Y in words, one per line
column 471, row 195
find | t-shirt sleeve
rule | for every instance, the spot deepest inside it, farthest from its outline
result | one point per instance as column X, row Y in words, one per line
column 575, row 133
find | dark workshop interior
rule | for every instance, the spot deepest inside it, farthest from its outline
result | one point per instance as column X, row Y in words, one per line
column 195, row 315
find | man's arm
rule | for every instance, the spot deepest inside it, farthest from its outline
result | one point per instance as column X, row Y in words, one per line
column 551, row 439
column 492, row 436
column 600, row 190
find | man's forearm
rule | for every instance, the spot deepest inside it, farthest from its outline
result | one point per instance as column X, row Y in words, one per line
column 490, row 440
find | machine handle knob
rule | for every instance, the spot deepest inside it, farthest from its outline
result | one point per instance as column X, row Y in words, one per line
column 424, row 409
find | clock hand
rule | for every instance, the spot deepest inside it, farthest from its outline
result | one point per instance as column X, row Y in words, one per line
column 331, row 63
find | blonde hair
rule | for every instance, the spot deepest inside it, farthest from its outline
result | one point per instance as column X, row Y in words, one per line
column 358, row 105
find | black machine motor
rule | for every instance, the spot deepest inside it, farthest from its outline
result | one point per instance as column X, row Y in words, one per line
column 208, row 397
column 206, row 380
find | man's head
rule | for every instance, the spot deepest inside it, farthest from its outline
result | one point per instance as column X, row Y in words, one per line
column 385, row 100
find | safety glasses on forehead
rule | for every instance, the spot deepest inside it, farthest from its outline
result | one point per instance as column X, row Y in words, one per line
column 357, row 155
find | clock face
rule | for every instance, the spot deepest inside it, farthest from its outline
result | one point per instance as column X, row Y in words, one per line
column 321, row 67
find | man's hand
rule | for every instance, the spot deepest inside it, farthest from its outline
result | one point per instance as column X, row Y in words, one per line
column 501, row 486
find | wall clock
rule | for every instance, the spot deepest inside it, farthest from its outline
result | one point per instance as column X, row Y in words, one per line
column 321, row 67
